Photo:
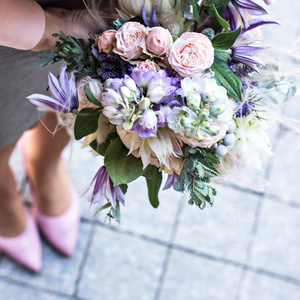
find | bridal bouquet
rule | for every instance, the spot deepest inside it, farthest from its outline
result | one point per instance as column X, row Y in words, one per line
column 174, row 87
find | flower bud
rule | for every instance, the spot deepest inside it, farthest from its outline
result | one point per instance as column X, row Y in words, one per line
column 155, row 94
column 217, row 109
column 203, row 115
column 213, row 130
column 144, row 103
column 111, row 98
column 189, row 133
column 193, row 101
column 149, row 119
column 128, row 82
column 125, row 93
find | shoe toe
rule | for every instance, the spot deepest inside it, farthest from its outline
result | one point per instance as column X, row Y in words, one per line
column 26, row 247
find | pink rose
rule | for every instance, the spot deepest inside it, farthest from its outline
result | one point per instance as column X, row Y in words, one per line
column 106, row 41
column 147, row 65
column 94, row 86
column 131, row 40
column 158, row 41
column 191, row 54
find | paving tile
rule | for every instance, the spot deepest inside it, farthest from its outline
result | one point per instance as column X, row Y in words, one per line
column 277, row 242
column 285, row 173
column 121, row 267
column 195, row 278
column 222, row 230
column 58, row 273
column 260, row 287
column 11, row 291
column 139, row 216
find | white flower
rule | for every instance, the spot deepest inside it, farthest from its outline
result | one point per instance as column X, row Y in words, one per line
column 190, row 86
column 251, row 141
column 213, row 91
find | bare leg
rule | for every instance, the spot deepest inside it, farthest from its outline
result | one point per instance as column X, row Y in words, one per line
column 12, row 217
column 45, row 168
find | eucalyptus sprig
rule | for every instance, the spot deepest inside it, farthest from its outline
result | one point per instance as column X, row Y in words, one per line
column 199, row 167
column 75, row 52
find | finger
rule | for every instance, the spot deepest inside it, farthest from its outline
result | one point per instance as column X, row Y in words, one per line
column 270, row 2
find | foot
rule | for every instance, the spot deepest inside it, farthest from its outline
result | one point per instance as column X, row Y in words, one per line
column 12, row 214
column 51, row 185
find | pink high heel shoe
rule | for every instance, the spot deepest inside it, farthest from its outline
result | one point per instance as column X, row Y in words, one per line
column 26, row 247
column 61, row 231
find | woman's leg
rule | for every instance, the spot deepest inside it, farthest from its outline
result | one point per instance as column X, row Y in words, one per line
column 12, row 217
column 45, row 168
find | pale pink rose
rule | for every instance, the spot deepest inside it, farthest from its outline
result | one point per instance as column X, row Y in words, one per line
column 147, row 65
column 131, row 40
column 94, row 86
column 106, row 41
column 208, row 141
column 158, row 41
column 191, row 54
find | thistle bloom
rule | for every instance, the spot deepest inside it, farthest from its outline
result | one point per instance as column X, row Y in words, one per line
column 63, row 93
column 103, row 187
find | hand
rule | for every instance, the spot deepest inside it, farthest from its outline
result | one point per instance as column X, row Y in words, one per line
column 77, row 23
column 270, row 2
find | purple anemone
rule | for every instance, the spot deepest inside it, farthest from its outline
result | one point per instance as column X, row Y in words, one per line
column 63, row 93
column 103, row 187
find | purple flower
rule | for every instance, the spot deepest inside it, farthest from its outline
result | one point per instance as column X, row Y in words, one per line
column 171, row 182
column 245, row 55
column 251, row 7
column 103, row 187
column 231, row 14
column 64, row 93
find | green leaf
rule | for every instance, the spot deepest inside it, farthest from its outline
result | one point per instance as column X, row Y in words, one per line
column 91, row 97
column 85, row 125
column 219, row 4
column 116, row 212
column 291, row 93
column 105, row 206
column 222, row 21
column 46, row 57
column 222, row 56
column 121, row 167
column 154, row 185
column 102, row 148
column 225, row 77
column 225, row 40
column 196, row 12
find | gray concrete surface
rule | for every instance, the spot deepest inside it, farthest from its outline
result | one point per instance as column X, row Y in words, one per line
column 247, row 246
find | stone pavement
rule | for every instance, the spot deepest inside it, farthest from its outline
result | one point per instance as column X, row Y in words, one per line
column 247, row 246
